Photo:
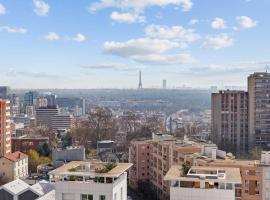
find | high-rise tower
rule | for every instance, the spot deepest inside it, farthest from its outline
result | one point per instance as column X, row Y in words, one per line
column 140, row 80
column 5, row 128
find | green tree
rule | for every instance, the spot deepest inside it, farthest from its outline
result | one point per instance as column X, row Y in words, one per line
column 34, row 159
column 185, row 168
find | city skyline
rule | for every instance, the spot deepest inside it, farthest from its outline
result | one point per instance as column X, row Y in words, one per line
column 48, row 44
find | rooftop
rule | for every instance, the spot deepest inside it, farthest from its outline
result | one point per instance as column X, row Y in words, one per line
column 16, row 187
column 48, row 196
column 88, row 168
column 219, row 174
column 16, row 156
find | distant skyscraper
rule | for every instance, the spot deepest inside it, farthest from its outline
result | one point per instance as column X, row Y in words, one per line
column 259, row 109
column 140, row 80
column 51, row 99
column 4, row 90
column 30, row 97
column 230, row 121
column 83, row 107
column 5, row 128
column 164, row 84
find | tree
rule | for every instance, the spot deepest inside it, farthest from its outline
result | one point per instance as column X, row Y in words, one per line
column 185, row 168
column 34, row 159
column 44, row 149
column 101, row 123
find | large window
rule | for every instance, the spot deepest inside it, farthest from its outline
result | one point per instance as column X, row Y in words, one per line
column 87, row 197
column 102, row 197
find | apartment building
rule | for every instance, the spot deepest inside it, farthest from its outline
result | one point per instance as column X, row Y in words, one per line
column 152, row 159
column 209, row 183
column 13, row 166
column 259, row 109
column 5, row 128
column 90, row 180
column 230, row 121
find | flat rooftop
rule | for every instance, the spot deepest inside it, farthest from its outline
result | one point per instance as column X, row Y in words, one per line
column 88, row 168
column 212, row 174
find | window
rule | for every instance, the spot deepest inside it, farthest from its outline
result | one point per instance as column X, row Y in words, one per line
column 87, row 197
column 102, row 197
column 257, row 187
column 246, row 186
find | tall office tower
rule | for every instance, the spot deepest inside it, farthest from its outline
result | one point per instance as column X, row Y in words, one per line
column 5, row 128
column 140, row 80
column 51, row 99
column 62, row 122
column 14, row 104
column 44, row 115
column 83, row 107
column 164, row 84
column 4, row 91
column 29, row 98
column 259, row 109
column 230, row 121
column 41, row 102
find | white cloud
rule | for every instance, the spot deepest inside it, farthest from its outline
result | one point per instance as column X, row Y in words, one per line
column 139, row 5
column 218, row 23
column 127, row 17
column 52, row 36
column 194, row 21
column 139, row 46
column 41, row 7
column 111, row 66
column 9, row 29
column 175, row 33
column 2, row 9
column 148, row 51
column 171, row 59
column 79, row 37
column 246, row 22
column 218, row 41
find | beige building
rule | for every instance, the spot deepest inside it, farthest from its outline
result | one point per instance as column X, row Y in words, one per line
column 13, row 166
column 230, row 121
column 153, row 158
column 259, row 109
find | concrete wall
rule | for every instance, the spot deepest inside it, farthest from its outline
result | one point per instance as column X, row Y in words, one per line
column 177, row 193
column 68, row 154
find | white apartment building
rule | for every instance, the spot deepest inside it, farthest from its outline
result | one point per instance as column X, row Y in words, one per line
column 209, row 183
column 13, row 166
column 80, row 180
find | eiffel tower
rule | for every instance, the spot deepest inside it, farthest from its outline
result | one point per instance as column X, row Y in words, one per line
column 140, row 81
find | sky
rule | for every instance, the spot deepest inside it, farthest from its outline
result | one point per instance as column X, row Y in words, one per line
column 105, row 43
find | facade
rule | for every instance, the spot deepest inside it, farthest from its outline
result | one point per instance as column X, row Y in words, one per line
column 60, row 156
column 230, row 121
column 44, row 116
column 13, row 166
column 62, row 122
column 26, row 142
column 30, row 98
column 259, row 109
column 5, row 128
column 79, row 180
column 41, row 102
column 51, row 99
column 4, row 91
column 152, row 159
column 209, row 183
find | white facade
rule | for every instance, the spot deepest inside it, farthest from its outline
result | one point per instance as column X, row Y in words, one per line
column 178, row 193
column 73, row 190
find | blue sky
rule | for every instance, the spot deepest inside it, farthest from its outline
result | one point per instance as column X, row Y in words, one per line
column 104, row 43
